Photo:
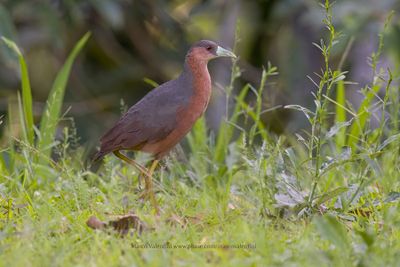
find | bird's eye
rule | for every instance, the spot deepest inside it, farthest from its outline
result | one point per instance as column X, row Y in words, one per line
column 209, row 48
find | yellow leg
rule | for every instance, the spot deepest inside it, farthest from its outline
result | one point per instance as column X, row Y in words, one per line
column 153, row 167
column 148, row 174
column 149, row 186
column 132, row 162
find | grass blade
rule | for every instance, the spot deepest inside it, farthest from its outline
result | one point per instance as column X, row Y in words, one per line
column 26, row 92
column 21, row 117
column 3, row 166
column 52, row 111
column 11, row 121
column 197, row 137
column 340, row 117
column 226, row 130
column 330, row 195
column 362, row 117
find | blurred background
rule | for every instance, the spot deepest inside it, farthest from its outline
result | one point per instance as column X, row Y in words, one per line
column 136, row 40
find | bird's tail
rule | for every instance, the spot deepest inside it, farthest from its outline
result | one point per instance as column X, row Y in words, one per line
column 98, row 156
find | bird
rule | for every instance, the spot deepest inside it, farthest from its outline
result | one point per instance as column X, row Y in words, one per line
column 162, row 118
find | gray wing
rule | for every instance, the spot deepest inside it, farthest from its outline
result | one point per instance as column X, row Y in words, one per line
column 151, row 119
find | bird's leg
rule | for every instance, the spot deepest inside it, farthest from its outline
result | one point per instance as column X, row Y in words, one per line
column 148, row 192
column 148, row 174
column 132, row 162
column 149, row 186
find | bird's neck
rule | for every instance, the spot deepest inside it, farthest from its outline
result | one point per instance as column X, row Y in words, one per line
column 200, row 77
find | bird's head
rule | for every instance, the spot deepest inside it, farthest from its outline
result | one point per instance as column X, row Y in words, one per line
column 206, row 50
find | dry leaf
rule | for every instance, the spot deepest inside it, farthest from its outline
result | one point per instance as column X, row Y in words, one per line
column 95, row 223
column 121, row 225
column 124, row 223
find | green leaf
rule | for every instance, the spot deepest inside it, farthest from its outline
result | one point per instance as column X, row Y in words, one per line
column 258, row 122
column 26, row 92
column 388, row 141
column 21, row 117
column 197, row 137
column 392, row 197
column 151, row 82
column 3, row 166
column 340, row 117
column 330, row 195
column 11, row 117
column 362, row 117
column 52, row 111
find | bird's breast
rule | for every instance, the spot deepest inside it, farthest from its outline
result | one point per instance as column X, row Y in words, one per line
column 188, row 113
column 201, row 93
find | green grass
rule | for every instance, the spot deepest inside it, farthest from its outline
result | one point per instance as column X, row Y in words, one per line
column 298, row 200
column 52, row 111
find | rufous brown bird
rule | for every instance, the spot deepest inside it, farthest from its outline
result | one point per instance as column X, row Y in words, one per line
column 165, row 115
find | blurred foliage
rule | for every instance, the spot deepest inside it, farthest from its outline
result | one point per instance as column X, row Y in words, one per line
column 133, row 41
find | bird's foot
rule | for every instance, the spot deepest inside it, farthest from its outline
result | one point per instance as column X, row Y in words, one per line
column 148, row 194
